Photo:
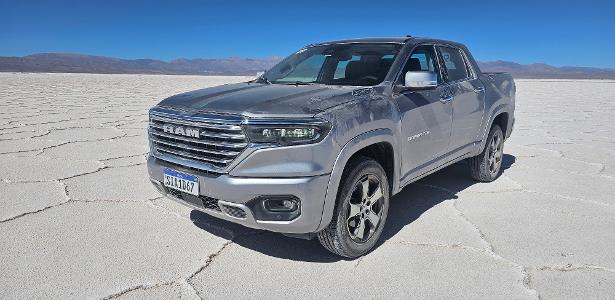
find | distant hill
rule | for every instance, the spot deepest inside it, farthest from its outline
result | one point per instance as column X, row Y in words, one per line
column 79, row 63
column 546, row 71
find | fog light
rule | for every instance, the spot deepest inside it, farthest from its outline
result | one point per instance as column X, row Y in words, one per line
column 275, row 207
column 280, row 205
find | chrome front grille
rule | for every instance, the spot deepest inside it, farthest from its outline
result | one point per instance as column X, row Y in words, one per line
column 203, row 141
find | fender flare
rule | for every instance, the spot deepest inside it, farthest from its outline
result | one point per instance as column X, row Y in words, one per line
column 350, row 148
column 502, row 108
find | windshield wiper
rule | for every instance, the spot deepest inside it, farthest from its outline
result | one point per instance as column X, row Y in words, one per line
column 262, row 79
column 296, row 83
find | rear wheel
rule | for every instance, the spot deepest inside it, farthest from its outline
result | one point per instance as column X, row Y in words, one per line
column 361, row 210
column 486, row 167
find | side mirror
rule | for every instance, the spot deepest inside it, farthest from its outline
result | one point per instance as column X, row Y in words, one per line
column 420, row 80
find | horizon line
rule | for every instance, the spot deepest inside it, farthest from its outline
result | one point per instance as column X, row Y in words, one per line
column 280, row 58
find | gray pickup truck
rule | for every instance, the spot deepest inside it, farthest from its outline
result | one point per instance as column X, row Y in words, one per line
column 317, row 145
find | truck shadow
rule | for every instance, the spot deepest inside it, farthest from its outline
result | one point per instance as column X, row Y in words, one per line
column 405, row 208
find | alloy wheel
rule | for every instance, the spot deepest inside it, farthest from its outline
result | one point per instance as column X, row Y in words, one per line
column 496, row 152
column 366, row 205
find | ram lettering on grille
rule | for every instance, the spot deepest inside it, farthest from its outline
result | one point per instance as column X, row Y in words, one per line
column 185, row 131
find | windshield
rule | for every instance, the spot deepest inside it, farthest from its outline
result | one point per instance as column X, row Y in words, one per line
column 342, row 64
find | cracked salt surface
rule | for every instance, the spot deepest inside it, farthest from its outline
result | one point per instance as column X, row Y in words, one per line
column 21, row 198
column 79, row 219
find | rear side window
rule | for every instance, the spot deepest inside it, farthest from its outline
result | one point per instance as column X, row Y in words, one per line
column 454, row 64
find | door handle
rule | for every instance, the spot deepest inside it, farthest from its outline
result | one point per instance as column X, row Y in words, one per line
column 446, row 99
column 479, row 90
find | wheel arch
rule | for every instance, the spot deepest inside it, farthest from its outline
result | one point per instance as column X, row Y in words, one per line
column 501, row 119
column 501, row 115
column 377, row 144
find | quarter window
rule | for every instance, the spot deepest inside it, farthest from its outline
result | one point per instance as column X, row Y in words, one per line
column 469, row 68
column 453, row 63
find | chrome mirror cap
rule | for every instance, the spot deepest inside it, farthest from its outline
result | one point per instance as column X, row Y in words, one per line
column 420, row 80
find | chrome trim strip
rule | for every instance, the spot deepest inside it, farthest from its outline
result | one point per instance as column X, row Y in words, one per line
column 190, row 155
column 187, row 163
column 187, row 147
column 206, row 117
column 209, row 134
column 285, row 121
column 185, row 120
column 205, row 142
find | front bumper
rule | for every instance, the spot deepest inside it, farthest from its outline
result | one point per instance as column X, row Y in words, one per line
column 229, row 192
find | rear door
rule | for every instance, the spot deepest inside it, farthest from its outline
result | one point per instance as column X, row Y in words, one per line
column 468, row 97
column 426, row 115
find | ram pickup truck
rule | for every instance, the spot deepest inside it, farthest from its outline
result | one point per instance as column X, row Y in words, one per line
column 316, row 146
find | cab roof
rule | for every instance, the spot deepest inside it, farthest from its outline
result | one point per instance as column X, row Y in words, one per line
column 390, row 40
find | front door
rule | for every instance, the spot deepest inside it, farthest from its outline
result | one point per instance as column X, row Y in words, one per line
column 426, row 116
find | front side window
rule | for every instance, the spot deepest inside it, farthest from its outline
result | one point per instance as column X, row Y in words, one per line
column 423, row 58
column 361, row 64
column 454, row 64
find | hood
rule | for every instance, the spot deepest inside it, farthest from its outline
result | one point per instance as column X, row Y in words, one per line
column 258, row 99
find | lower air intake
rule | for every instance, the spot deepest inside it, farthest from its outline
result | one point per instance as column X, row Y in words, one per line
column 233, row 211
column 200, row 201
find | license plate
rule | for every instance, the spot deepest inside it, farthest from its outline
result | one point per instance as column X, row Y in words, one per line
column 181, row 182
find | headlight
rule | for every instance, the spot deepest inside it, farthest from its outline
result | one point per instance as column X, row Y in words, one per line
column 286, row 132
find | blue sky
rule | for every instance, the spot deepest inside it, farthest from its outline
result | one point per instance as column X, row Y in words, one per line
column 579, row 33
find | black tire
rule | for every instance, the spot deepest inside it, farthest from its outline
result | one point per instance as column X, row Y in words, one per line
column 487, row 166
column 351, row 233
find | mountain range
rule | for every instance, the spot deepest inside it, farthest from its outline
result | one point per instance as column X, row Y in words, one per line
column 80, row 63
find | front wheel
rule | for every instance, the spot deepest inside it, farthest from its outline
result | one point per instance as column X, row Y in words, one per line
column 361, row 210
column 486, row 167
